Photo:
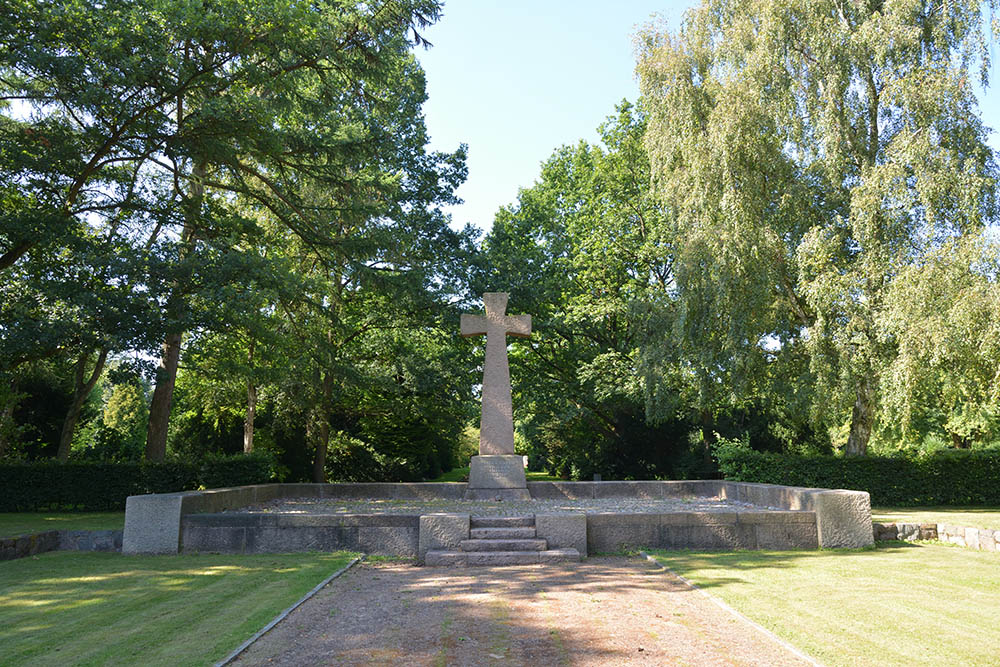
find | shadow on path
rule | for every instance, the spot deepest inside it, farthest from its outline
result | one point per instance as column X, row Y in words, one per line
column 603, row 611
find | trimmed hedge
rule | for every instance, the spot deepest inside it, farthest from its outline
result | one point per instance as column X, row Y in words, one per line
column 84, row 485
column 948, row 477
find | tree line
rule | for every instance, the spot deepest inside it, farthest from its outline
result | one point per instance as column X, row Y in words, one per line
column 221, row 230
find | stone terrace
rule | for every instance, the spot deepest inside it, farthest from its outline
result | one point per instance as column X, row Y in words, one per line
column 313, row 506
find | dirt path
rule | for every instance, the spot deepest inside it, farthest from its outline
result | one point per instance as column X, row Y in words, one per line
column 604, row 611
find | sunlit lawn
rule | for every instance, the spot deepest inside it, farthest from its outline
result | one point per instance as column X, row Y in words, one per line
column 24, row 523
column 976, row 517
column 95, row 608
column 898, row 604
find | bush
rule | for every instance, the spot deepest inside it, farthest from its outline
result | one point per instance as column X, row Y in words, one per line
column 950, row 477
column 85, row 485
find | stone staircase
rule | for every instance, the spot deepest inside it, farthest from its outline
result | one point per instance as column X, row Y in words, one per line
column 501, row 541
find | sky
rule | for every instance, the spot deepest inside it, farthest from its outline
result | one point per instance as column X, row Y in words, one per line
column 516, row 79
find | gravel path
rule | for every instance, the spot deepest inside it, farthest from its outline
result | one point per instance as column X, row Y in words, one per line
column 604, row 611
column 492, row 508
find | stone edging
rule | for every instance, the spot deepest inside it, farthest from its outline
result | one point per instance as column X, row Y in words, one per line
column 982, row 539
column 722, row 605
column 280, row 617
column 23, row 546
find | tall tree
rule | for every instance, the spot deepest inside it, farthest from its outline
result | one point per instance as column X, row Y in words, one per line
column 811, row 151
column 178, row 112
column 584, row 250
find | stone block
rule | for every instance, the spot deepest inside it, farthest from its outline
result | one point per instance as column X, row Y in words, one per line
column 439, row 532
column 786, row 536
column 928, row 531
column 971, row 537
column 699, row 518
column 843, row 518
column 986, row 540
column 609, row 532
column 908, row 531
column 772, row 517
column 497, row 494
column 563, row 531
column 389, row 540
column 561, row 490
column 213, row 539
column 628, row 489
column 698, row 488
column 499, row 471
column 428, row 491
column 707, row 537
column 289, row 540
column 883, row 532
column 153, row 523
column 232, row 519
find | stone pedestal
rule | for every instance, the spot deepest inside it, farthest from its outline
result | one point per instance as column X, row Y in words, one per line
column 497, row 476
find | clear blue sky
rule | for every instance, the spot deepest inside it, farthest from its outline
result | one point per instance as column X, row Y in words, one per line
column 515, row 79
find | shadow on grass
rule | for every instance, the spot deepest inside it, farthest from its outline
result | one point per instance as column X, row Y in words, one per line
column 101, row 608
column 682, row 560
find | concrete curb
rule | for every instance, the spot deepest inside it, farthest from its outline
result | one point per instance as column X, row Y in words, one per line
column 280, row 617
column 722, row 605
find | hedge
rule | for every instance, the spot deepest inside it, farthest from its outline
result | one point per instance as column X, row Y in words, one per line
column 948, row 477
column 84, row 485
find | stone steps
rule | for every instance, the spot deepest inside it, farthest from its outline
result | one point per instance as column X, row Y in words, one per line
column 517, row 533
column 502, row 522
column 483, row 558
column 508, row 540
column 504, row 545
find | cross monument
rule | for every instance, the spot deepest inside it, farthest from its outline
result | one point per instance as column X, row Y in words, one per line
column 497, row 472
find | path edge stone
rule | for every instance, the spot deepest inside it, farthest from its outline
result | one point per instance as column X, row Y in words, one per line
column 280, row 617
column 797, row 652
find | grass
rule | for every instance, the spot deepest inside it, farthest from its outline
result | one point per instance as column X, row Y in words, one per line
column 453, row 475
column 25, row 523
column 897, row 604
column 462, row 475
column 975, row 517
column 101, row 609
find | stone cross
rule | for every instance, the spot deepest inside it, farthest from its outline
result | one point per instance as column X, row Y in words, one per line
column 496, row 427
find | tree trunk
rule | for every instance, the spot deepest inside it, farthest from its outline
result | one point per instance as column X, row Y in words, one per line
column 81, row 390
column 166, row 374
column 862, row 418
column 248, row 422
column 251, row 403
column 323, row 435
column 7, row 421
column 163, row 394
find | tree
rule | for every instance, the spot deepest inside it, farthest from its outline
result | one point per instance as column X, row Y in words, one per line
column 585, row 250
column 173, row 116
column 811, row 152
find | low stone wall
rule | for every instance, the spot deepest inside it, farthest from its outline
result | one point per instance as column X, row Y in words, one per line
column 983, row 539
column 842, row 517
column 380, row 534
column 776, row 529
column 60, row 540
column 804, row 518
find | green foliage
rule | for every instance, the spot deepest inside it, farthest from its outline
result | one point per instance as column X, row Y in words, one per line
column 813, row 153
column 103, row 486
column 940, row 478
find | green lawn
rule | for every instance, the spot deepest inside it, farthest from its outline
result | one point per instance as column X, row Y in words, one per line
column 975, row 517
column 25, row 523
column 898, row 604
column 104, row 609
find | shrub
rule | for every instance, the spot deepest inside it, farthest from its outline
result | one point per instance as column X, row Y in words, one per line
column 949, row 477
column 86, row 485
